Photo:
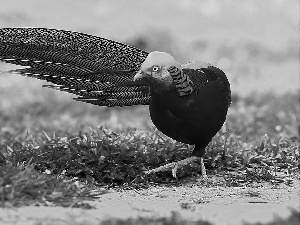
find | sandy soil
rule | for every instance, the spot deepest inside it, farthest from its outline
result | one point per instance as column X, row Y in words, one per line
column 219, row 205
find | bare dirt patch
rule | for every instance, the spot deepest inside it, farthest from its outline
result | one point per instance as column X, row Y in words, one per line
column 192, row 202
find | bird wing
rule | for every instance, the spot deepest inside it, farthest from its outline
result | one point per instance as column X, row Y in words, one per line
column 202, row 74
column 98, row 70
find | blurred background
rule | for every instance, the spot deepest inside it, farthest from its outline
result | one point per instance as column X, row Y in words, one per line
column 256, row 43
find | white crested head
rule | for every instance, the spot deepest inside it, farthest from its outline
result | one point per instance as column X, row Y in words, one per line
column 161, row 59
column 155, row 70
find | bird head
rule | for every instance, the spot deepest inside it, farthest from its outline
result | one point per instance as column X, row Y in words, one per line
column 154, row 70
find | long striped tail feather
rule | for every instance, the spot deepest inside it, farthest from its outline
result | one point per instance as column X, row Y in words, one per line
column 67, row 47
column 97, row 70
column 115, row 92
column 111, row 102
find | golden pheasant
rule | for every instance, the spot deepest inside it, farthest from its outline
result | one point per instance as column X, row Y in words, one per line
column 188, row 103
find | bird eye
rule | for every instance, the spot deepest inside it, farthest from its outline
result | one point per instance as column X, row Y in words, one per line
column 155, row 68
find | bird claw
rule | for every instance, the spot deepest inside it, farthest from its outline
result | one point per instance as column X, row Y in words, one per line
column 203, row 180
column 161, row 168
column 175, row 165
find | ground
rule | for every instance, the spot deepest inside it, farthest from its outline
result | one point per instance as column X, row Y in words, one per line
column 192, row 202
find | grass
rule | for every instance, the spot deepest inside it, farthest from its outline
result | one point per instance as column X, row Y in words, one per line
column 52, row 153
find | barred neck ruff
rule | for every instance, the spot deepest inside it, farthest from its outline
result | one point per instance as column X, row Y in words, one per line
column 181, row 81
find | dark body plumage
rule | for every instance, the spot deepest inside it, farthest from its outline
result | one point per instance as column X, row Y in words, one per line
column 196, row 118
column 103, row 72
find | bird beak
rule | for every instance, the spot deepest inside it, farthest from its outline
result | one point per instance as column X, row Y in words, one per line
column 140, row 74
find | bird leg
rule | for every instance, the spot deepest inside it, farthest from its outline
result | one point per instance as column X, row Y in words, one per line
column 175, row 165
column 203, row 170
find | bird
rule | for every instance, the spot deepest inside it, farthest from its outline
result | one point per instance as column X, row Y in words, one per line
column 187, row 102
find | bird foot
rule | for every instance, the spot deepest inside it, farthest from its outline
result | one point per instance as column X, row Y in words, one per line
column 203, row 179
column 176, row 165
